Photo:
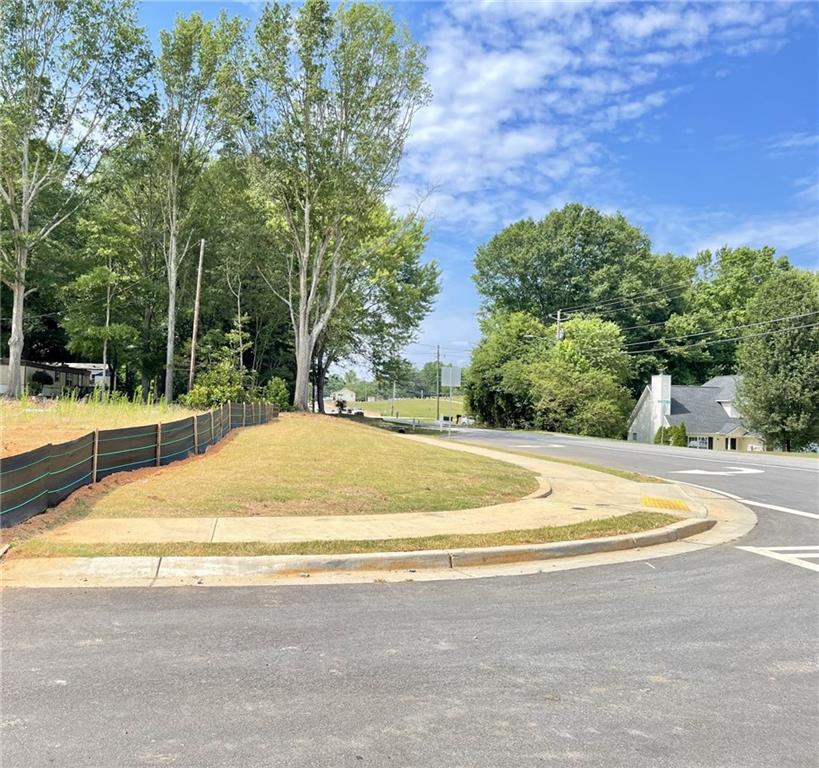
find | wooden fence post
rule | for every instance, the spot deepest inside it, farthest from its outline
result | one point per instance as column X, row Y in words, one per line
column 244, row 414
column 96, row 453
column 195, row 436
column 230, row 416
column 158, row 442
column 212, row 440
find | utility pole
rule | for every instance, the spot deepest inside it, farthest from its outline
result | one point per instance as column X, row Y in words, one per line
column 196, row 313
column 558, row 330
column 438, row 382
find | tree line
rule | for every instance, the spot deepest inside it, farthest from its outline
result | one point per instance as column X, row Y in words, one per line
column 578, row 312
column 269, row 150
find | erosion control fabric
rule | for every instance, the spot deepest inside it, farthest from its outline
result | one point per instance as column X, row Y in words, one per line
column 33, row 481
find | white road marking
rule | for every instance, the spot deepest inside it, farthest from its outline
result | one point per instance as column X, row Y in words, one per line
column 537, row 445
column 776, row 508
column 731, row 471
column 793, row 557
column 627, row 445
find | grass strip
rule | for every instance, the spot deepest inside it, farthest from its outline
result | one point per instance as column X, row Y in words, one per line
column 633, row 522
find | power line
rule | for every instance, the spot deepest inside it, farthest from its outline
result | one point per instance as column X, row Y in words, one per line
column 629, row 303
column 608, row 305
column 707, row 342
column 721, row 330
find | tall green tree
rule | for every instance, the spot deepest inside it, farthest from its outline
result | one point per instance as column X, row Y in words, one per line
column 779, row 393
column 522, row 376
column 725, row 282
column 384, row 306
column 198, row 81
column 332, row 96
column 70, row 73
column 579, row 260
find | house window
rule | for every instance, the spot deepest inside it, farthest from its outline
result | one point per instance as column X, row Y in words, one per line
column 698, row 442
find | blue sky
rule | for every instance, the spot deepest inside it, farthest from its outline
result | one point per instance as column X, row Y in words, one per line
column 699, row 121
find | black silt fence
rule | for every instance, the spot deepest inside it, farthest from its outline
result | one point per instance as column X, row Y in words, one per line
column 122, row 450
column 72, row 466
column 177, row 441
column 33, row 481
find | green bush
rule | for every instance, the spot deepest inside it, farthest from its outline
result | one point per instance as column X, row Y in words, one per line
column 679, row 436
column 38, row 380
column 275, row 391
column 676, row 435
column 221, row 383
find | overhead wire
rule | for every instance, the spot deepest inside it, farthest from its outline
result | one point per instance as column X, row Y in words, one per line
column 722, row 330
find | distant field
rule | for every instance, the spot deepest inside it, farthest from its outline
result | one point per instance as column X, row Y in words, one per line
column 413, row 408
column 26, row 425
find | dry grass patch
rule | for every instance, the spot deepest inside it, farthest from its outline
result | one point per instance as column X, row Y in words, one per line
column 591, row 529
column 317, row 465
column 28, row 424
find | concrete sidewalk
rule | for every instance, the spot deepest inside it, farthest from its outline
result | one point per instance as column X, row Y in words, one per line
column 566, row 494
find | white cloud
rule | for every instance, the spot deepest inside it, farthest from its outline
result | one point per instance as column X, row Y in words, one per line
column 523, row 90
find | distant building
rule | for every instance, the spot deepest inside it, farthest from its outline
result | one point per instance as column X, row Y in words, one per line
column 347, row 395
column 708, row 411
column 82, row 377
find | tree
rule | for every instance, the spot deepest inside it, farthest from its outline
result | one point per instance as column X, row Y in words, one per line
column 332, row 96
column 577, row 259
column 578, row 386
column 70, row 73
column 97, row 319
column 522, row 376
column 724, row 284
column 382, row 310
column 779, row 393
column 198, row 76
column 573, row 256
column 499, row 391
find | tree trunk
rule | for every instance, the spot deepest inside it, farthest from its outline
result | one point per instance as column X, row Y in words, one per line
column 15, row 385
column 301, row 394
column 171, row 326
column 105, row 340
column 321, row 365
column 147, row 317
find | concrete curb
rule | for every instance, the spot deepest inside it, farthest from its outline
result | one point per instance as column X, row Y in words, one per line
column 285, row 565
column 171, row 570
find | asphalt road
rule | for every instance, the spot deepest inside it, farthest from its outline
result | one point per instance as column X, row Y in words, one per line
column 704, row 659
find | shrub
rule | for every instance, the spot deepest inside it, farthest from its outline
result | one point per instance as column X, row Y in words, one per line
column 219, row 384
column 676, row 435
column 38, row 380
column 276, row 392
column 679, row 436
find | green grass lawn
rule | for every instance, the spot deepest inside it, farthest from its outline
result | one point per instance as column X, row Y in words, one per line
column 414, row 408
column 316, row 465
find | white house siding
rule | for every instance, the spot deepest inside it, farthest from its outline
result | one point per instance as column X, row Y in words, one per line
column 640, row 430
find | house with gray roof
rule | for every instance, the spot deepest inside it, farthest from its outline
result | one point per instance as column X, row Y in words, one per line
column 708, row 411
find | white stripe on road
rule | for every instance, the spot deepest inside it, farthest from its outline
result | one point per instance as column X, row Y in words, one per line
column 792, row 559
column 732, row 456
column 775, row 508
